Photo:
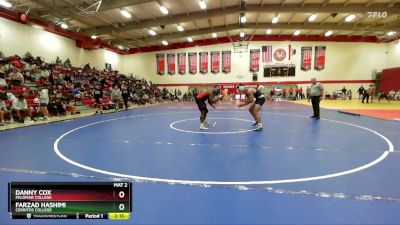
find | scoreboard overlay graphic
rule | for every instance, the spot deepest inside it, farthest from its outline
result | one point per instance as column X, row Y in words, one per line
column 61, row 200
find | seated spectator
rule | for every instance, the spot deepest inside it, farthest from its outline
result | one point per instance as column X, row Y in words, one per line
column 56, row 107
column 397, row 95
column 2, row 69
column 136, row 99
column 16, row 77
column 67, row 78
column 11, row 96
column 37, row 74
column 20, row 110
column 3, row 112
column 392, row 93
column 45, row 73
column 70, row 108
column 145, row 98
column 382, row 95
column 77, row 94
column 3, row 95
column 3, row 82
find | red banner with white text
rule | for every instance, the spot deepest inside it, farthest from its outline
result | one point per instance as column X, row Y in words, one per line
column 306, row 56
column 214, row 61
column 203, row 62
column 160, row 64
column 319, row 59
column 254, row 60
column 171, row 63
column 182, row 63
column 192, row 62
column 226, row 61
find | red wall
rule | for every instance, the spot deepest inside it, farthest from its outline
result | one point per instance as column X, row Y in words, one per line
column 390, row 79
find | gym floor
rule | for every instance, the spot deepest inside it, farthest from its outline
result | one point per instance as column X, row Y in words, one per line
column 340, row 169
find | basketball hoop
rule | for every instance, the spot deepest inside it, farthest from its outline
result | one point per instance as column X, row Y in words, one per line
column 90, row 10
column 239, row 76
column 240, row 47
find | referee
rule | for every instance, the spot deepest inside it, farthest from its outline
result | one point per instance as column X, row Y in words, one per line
column 317, row 94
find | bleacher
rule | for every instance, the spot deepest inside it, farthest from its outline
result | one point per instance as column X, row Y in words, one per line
column 82, row 76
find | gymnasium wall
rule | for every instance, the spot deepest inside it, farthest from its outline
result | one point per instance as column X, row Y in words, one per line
column 393, row 54
column 16, row 38
column 345, row 62
column 390, row 80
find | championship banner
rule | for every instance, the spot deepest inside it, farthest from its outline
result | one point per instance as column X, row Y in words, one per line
column 160, row 64
column 306, row 56
column 171, row 63
column 226, row 61
column 182, row 63
column 192, row 62
column 214, row 61
column 254, row 60
column 319, row 59
column 203, row 62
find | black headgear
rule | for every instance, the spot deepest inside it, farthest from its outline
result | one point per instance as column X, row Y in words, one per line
column 216, row 90
column 241, row 87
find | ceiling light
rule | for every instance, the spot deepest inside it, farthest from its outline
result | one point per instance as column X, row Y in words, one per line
column 152, row 32
column 241, row 34
column 5, row 3
column 275, row 19
column 391, row 33
column 243, row 19
column 180, row 28
column 297, row 32
column 350, row 17
column 328, row 33
column 312, row 17
column 214, row 35
column 190, row 39
column 93, row 37
column 202, row 4
column 64, row 26
column 164, row 10
column 269, row 31
column 126, row 14
column 164, row 42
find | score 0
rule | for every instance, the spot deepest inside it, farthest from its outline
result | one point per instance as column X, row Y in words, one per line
column 122, row 194
column 377, row 14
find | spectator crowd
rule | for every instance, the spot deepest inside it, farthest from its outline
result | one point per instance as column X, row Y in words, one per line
column 31, row 89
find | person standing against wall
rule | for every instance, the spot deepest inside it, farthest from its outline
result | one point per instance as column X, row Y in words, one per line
column 308, row 90
column 365, row 95
column 360, row 92
column 371, row 91
column 116, row 96
column 316, row 94
column 126, row 93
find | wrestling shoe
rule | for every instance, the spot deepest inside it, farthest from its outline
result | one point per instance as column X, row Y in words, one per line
column 202, row 127
column 259, row 127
